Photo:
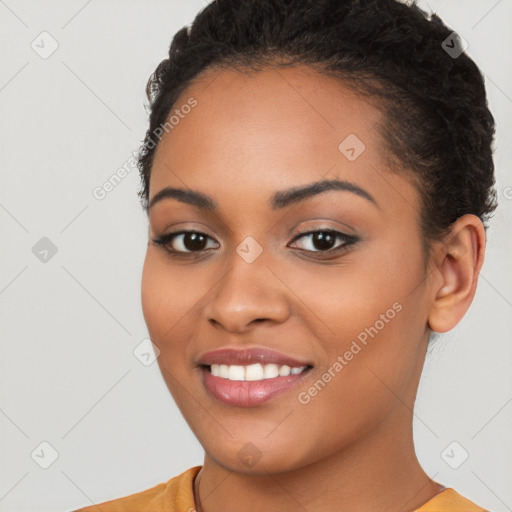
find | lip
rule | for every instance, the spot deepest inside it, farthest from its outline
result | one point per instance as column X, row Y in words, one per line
column 248, row 356
column 249, row 393
column 242, row 393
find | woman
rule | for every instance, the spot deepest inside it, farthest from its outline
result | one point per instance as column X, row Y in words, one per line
column 318, row 176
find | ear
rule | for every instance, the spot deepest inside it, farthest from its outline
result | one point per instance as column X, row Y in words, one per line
column 458, row 259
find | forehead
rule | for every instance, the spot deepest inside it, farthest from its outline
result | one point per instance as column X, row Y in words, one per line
column 270, row 130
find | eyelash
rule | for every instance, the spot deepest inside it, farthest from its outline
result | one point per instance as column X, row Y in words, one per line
column 165, row 240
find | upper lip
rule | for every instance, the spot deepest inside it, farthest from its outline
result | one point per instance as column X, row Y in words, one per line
column 245, row 356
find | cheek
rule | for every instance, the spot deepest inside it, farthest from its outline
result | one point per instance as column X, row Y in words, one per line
column 377, row 316
column 168, row 295
column 166, row 300
column 371, row 367
column 155, row 296
column 363, row 294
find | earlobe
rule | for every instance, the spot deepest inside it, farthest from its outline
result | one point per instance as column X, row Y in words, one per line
column 458, row 262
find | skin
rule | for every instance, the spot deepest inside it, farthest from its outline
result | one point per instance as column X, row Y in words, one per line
column 351, row 447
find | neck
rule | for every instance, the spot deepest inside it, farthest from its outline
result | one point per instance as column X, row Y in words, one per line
column 379, row 473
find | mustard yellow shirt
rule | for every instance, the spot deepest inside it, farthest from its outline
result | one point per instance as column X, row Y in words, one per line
column 177, row 495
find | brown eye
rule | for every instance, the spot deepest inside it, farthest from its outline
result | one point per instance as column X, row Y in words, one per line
column 185, row 242
column 323, row 241
column 192, row 241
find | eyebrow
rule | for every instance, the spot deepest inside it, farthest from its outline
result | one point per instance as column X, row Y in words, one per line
column 294, row 195
column 280, row 200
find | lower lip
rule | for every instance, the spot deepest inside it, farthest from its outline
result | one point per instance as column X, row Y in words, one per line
column 242, row 393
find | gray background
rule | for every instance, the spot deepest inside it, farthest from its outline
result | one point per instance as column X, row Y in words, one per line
column 70, row 323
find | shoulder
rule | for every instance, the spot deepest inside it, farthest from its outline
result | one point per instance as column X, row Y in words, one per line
column 173, row 495
column 449, row 500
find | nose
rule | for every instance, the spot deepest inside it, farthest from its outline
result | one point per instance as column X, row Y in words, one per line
column 248, row 294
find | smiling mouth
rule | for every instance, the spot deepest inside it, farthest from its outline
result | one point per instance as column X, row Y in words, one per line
column 253, row 384
column 250, row 376
column 254, row 372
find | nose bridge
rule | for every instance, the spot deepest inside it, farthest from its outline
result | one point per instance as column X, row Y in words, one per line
column 247, row 292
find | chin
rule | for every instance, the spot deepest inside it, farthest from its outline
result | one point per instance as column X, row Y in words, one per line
column 262, row 457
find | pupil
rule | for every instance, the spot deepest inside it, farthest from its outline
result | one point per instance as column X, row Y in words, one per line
column 323, row 240
column 196, row 241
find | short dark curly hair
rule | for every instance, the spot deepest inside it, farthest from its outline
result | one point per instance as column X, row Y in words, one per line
column 437, row 126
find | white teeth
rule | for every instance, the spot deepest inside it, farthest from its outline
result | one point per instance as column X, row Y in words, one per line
column 236, row 372
column 223, row 371
column 284, row 371
column 253, row 371
column 271, row 371
column 214, row 368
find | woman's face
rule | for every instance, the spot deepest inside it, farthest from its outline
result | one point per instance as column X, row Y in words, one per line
column 349, row 302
